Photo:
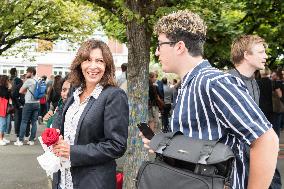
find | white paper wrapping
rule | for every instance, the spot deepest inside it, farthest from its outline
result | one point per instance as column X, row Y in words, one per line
column 50, row 162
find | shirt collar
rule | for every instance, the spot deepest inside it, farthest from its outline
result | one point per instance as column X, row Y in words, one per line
column 193, row 72
column 95, row 94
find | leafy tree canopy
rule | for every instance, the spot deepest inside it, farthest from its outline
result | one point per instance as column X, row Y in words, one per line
column 44, row 19
column 266, row 18
column 226, row 19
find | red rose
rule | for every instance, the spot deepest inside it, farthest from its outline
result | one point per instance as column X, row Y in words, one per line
column 50, row 136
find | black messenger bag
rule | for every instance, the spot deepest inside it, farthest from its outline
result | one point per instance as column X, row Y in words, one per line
column 184, row 162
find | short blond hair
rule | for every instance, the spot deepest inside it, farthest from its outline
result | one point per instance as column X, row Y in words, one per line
column 244, row 43
column 185, row 26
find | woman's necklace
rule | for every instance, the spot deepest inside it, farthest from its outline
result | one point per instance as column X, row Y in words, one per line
column 84, row 95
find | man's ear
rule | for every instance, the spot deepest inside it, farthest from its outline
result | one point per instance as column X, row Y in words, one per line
column 246, row 53
column 180, row 47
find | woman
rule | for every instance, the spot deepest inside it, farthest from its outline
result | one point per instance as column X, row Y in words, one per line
column 4, row 95
column 56, row 115
column 95, row 122
column 53, row 92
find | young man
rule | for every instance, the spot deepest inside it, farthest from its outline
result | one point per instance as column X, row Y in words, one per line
column 248, row 55
column 30, row 109
column 18, row 100
column 212, row 105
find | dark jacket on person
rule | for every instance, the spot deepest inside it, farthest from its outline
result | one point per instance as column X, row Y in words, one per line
column 54, row 97
column 160, row 89
column 18, row 99
column 101, row 137
column 265, row 88
column 153, row 95
column 4, row 92
column 250, row 83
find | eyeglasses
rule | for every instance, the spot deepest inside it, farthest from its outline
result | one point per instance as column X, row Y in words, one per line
column 163, row 43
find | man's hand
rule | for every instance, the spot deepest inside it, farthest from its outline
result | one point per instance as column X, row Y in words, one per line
column 146, row 142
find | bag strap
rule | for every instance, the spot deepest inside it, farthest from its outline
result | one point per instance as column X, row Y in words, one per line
column 161, row 140
column 31, row 91
column 206, row 151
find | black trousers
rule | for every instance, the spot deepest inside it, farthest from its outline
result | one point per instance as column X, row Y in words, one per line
column 17, row 120
column 165, row 118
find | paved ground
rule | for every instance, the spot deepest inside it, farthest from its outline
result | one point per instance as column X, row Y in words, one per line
column 19, row 168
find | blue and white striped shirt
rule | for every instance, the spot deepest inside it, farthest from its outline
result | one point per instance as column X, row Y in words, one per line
column 212, row 105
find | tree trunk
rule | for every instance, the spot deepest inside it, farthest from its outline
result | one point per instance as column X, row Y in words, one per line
column 137, row 79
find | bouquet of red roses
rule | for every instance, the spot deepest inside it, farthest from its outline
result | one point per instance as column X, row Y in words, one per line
column 49, row 161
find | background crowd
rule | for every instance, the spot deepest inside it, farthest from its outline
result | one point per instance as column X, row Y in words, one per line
column 162, row 95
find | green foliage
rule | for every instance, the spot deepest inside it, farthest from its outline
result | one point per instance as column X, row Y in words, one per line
column 44, row 19
column 266, row 18
column 226, row 19
column 111, row 24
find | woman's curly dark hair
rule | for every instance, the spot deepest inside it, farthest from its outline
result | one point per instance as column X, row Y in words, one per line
column 76, row 76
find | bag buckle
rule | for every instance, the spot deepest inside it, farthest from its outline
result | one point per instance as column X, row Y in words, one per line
column 160, row 149
column 203, row 159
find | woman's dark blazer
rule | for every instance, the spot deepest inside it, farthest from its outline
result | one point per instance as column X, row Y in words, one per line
column 101, row 137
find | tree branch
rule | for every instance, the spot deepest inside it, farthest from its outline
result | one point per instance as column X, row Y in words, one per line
column 19, row 38
column 108, row 5
column 24, row 17
column 244, row 18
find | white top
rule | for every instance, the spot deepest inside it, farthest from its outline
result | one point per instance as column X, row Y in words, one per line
column 72, row 118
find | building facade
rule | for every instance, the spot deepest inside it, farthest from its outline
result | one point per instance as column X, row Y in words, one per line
column 57, row 60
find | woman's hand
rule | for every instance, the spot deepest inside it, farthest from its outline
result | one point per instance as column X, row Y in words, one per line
column 146, row 142
column 48, row 115
column 61, row 148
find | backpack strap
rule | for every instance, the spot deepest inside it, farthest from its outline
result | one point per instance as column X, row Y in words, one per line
column 31, row 91
column 161, row 140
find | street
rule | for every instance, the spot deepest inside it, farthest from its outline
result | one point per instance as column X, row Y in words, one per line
column 20, row 169
column 19, row 166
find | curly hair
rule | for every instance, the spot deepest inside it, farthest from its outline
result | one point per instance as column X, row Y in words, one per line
column 185, row 26
column 244, row 43
column 76, row 76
